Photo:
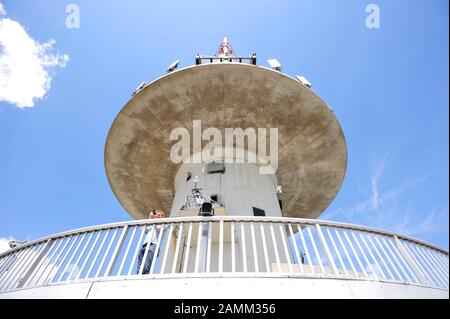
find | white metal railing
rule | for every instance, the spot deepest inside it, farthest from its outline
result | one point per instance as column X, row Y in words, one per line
column 220, row 246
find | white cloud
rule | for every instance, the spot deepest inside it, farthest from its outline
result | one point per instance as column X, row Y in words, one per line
column 378, row 168
column 2, row 10
column 26, row 65
column 4, row 246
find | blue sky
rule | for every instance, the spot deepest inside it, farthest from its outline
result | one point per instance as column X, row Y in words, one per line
column 388, row 88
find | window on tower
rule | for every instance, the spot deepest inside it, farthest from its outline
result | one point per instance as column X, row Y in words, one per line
column 258, row 212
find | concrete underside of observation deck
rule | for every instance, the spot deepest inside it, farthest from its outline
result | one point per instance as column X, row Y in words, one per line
column 234, row 288
column 312, row 148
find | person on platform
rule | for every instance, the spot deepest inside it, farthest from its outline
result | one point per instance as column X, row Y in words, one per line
column 151, row 240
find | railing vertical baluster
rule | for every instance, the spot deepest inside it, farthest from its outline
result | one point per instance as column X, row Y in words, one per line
column 115, row 254
column 446, row 260
column 66, row 242
column 147, row 247
column 439, row 262
column 347, row 255
column 8, row 259
column 326, row 249
column 158, row 245
column 439, row 266
column 11, row 263
column 2, row 262
column 208, row 253
column 188, row 246
column 24, row 271
column 389, row 260
column 136, row 251
column 443, row 260
column 105, row 255
column 244, row 248
column 221, row 246
column 374, row 273
column 372, row 244
column 81, row 255
column 16, row 259
column 64, row 258
column 297, row 255
column 305, row 246
column 47, row 262
column 263, row 238
column 372, row 256
column 355, row 254
column 333, row 243
column 233, row 256
column 17, row 267
column 127, row 250
column 394, row 252
column 177, row 248
column 423, row 266
column 410, row 261
column 274, row 242
column 442, row 271
column 199, row 247
column 255, row 254
column 97, row 236
column 36, row 265
column 434, row 267
column 100, row 248
column 71, row 258
column 166, row 251
column 313, row 242
column 285, row 246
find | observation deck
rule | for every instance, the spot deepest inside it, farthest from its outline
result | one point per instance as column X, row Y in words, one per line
column 317, row 259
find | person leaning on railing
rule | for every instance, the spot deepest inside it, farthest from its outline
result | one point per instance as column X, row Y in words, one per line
column 151, row 238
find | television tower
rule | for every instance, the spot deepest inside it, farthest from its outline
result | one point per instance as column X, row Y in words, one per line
column 226, row 92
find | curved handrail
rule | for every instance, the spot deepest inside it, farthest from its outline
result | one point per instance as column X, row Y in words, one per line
column 256, row 246
column 232, row 218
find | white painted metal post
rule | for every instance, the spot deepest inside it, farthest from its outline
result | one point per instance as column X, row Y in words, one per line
column 311, row 238
column 286, row 249
column 404, row 253
column 255, row 254
column 327, row 250
column 186, row 256
column 221, row 246
column 177, row 248
column 297, row 255
column 305, row 247
column 338, row 254
column 116, row 251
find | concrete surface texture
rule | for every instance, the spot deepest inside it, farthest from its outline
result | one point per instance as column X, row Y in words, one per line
column 312, row 152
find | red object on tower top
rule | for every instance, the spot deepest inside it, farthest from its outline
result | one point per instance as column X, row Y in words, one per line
column 225, row 49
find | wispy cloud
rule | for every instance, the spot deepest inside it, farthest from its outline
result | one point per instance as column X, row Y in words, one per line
column 388, row 209
column 435, row 221
column 26, row 65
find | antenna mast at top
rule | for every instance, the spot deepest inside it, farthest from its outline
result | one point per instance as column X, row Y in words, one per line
column 225, row 54
column 225, row 49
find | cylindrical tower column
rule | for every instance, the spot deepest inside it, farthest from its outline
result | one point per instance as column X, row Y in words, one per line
column 239, row 188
